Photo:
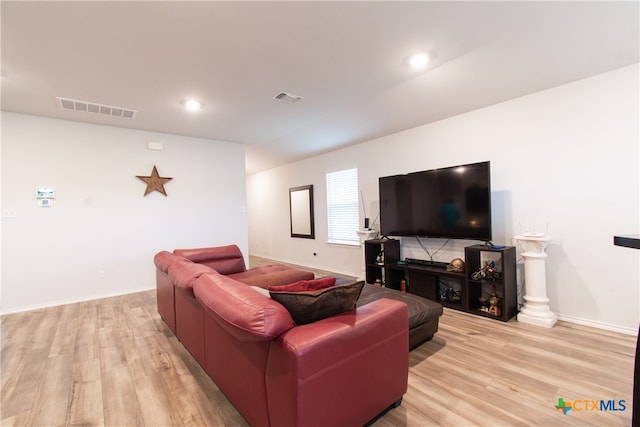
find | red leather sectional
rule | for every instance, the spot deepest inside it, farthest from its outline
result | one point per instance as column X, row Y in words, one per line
column 340, row 371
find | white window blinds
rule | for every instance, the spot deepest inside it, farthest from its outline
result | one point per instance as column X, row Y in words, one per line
column 342, row 207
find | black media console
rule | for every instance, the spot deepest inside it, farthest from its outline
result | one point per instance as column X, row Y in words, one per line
column 457, row 290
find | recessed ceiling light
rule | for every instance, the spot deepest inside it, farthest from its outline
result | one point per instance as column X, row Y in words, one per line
column 419, row 60
column 193, row 105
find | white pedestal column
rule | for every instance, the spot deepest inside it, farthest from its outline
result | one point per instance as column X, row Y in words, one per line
column 536, row 307
column 364, row 236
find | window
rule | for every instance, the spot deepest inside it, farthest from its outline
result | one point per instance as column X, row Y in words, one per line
column 342, row 207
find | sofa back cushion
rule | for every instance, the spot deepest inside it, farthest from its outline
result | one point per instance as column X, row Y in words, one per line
column 184, row 273
column 164, row 259
column 241, row 311
column 224, row 259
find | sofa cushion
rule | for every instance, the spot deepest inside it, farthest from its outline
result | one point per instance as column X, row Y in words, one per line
column 242, row 312
column 306, row 285
column 272, row 275
column 311, row 306
column 224, row 259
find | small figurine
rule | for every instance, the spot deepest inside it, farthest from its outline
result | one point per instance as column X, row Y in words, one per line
column 488, row 272
column 494, row 303
column 447, row 293
column 453, row 295
column 456, row 265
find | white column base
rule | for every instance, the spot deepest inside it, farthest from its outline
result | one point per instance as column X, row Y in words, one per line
column 546, row 321
column 536, row 312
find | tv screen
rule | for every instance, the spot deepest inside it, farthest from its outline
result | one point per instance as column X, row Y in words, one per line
column 453, row 202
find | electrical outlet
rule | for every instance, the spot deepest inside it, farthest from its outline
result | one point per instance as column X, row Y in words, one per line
column 100, row 274
column 10, row 213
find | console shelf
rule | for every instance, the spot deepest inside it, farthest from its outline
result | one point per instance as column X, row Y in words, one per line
column 385, row 250
column 452, row 289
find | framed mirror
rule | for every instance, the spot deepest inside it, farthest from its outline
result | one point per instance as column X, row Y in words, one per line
column 301, row 211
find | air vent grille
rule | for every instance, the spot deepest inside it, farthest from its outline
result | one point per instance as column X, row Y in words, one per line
column 92, row 107
column 288, row 97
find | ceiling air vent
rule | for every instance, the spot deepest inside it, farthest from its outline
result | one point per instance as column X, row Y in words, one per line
column 92, row 107
column 288, row 97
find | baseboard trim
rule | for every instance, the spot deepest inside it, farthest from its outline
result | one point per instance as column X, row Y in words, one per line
column 599, row 325
column 73, row 301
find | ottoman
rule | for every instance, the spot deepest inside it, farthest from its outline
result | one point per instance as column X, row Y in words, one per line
column 423, row 313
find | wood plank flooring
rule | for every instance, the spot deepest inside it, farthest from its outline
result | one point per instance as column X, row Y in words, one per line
column 113, row 362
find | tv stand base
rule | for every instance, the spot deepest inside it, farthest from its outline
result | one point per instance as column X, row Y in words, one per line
column 435, row 264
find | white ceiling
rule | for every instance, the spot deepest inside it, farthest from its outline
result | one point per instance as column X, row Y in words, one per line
column 346, row 59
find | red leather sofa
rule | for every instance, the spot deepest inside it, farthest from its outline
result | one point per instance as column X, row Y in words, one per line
column 343, row 370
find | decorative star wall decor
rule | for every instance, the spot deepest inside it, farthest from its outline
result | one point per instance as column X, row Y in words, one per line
column 154, row 182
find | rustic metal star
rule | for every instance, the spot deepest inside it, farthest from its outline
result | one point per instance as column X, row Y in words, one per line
column 154, row 182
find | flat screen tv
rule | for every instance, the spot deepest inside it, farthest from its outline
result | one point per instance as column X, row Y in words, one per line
column 452, row 202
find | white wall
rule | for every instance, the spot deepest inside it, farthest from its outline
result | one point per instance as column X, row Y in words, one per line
column 567, row 157
column 100, row 219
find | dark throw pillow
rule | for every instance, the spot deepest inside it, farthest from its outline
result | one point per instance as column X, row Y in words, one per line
column 311, row 306
column 305, row 285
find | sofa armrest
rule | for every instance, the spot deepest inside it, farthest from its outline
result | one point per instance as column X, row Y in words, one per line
column 224, row 259
column 342, row 370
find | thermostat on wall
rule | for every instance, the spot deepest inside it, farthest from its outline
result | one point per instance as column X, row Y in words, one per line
column 45, row 193
column 45, row 196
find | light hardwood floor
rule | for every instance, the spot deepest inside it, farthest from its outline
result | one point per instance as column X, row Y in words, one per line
column 114, row 362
